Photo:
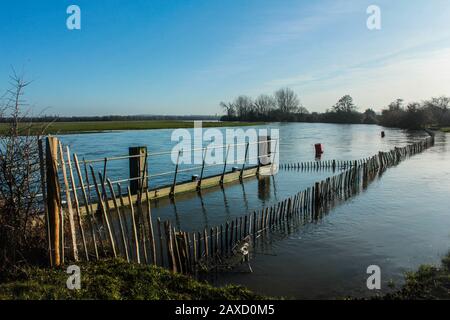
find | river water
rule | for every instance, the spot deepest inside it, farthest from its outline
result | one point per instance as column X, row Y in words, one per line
column 400, row 221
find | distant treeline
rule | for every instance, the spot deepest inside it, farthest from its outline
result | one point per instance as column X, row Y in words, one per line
column 414, row 115
column 284, row 106
column 50, row 118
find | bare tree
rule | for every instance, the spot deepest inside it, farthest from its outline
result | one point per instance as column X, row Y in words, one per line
column 287, row 100
column 439, row 110
column 229, row 108
column 302, row 110
column 442, row 103
column 21, row 222
column 264, row 104
column 396, row 105
column 244, row 106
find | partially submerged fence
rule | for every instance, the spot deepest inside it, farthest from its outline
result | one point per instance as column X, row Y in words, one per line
column 321, row 165
column 213, row 247
column 83, row 203
column 123, row 226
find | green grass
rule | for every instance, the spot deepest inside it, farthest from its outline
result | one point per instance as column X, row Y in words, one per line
column 427, row 283
column 119, row 280
column 99, row 126
column 442, row 129
column 115, row 280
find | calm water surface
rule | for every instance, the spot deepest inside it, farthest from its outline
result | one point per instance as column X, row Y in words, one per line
column 401, row 221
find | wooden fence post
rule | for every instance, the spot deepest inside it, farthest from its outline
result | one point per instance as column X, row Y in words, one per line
column 199, row 184
column 241, row 174
column 53, row 197
column 69, row 204
column 224, row 166
column 172, row 189
column 44, row 197
column 137, row 168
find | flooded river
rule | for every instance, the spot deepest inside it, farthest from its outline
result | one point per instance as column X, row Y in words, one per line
column 400, row 221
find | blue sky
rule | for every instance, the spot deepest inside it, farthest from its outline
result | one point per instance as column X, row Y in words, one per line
column 184, row 57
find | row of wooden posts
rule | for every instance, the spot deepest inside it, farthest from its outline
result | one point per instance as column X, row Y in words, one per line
column 65, row 180
column 123, row 227
column 318, row 165
column 327, row 164
column 211, row 247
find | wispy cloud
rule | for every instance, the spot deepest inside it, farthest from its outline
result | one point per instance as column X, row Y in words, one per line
column 323, row 51
column 280, row 28
column 408, row 75
column 296, row 23
column 424, row 50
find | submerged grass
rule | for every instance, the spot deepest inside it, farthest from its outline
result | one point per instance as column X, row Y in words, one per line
column 99, row 126
column 115, row 280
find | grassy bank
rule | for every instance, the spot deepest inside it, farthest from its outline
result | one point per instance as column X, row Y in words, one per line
column 438, row 128
column 115, row 279
column 427, row 283
column 99, row 126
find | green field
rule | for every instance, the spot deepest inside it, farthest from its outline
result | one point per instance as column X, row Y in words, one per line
column 99, row 126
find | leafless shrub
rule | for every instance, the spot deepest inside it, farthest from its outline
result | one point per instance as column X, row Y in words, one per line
column 22, row 235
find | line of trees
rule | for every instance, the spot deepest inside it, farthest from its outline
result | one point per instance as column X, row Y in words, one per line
column 433, row 112
column 284, row 105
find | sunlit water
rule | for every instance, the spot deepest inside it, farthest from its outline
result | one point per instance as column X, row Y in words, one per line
column 401, row 221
